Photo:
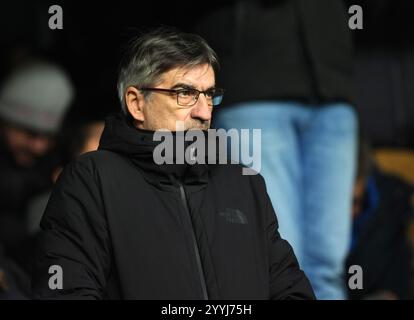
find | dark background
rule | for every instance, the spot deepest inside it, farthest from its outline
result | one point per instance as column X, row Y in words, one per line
column 94, row 33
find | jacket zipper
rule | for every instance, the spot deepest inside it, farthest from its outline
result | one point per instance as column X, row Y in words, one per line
column 195, row 244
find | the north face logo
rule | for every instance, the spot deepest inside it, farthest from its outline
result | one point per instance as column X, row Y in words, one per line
column 233, row 216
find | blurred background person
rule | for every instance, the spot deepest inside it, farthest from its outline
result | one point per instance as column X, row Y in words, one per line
column 33, row 102
column 382, row 212
column 80, row 134
column 14, row 280
column 287, row 69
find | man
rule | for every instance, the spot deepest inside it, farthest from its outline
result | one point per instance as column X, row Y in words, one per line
column 120, row 226
column 382, row 213
column 33, row 101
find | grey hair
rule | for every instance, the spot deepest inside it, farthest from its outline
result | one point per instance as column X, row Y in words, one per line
column 150, row 55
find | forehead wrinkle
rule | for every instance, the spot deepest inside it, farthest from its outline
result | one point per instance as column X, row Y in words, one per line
column 178, row 75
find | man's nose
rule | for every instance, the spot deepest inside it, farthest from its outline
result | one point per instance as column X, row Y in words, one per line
column 202, row 110
column 39, row 145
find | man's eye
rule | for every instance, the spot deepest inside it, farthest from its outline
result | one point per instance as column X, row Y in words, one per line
column 186, row 93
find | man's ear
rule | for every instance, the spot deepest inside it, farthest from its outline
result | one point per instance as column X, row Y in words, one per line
column 135, row 102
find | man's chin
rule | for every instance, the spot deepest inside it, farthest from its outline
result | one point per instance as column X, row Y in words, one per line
column 181, row 126
column 197, row 127
column 25, row 161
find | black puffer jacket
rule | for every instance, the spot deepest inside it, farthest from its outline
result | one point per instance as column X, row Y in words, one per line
column 122, row 227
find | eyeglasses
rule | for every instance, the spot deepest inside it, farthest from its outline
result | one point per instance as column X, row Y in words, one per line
column 188, row 97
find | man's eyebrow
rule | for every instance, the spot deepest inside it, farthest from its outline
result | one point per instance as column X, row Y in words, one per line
column 188, row 86
column 182, row 85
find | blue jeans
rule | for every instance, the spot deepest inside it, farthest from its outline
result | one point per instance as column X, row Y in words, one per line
column 308, row 163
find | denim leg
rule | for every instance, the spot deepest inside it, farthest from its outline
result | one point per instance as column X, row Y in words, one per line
column 280, row 163
column 329, row 151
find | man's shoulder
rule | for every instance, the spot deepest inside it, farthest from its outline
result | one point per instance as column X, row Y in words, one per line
column 98, row 157
column 95, row 161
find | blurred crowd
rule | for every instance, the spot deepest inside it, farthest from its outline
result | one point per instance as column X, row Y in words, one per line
column 291, row 68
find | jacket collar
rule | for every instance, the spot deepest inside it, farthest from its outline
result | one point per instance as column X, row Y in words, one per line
column 121, row 137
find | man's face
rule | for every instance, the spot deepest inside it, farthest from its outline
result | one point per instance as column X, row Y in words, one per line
column 93, row 132
column 161, row 110
column 26, row 147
